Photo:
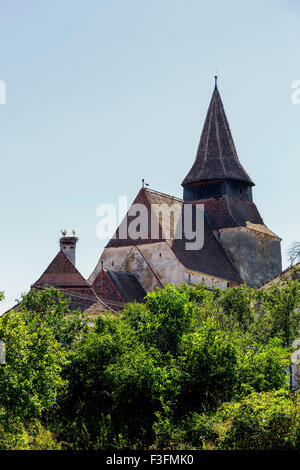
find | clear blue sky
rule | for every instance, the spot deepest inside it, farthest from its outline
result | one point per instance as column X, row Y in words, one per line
column 101, row 93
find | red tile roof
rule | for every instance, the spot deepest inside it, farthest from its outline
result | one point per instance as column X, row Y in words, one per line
column 61, row 272
column 143, row 197
column 110, row 290
column 116, row 288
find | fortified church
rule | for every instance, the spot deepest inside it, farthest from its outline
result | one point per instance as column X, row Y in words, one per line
column 238, row 247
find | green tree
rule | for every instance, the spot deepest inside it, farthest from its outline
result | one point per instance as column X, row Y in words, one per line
column 38, row 338
column 31, row 377
column 51, row 308
column 208, row 361
column 237, row 304
column 155, row 375
column 262, row 421
column 167, row 315
column 282, row 301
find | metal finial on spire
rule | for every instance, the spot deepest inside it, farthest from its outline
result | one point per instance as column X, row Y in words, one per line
column 216, row 81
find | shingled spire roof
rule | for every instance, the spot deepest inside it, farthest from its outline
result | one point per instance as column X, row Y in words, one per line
column 216, row 157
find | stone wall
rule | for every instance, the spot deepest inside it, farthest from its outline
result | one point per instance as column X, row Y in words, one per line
column 255, row 253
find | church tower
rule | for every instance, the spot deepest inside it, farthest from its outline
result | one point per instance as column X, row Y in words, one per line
column 218, row 180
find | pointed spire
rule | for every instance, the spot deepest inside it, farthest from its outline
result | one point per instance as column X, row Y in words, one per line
column 216, row 157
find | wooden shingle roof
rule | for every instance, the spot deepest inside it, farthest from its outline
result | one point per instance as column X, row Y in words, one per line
column 216, row 157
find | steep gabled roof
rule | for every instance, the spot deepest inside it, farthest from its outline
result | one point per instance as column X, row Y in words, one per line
column 61, row 272
column 143, row 197
column 211, row 259
column 216, row 156
column 128, row 286
column 156, row 203
column 116, row 288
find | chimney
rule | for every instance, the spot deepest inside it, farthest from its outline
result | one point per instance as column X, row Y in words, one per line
column 68, row 246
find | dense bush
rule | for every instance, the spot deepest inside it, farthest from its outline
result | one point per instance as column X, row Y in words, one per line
column 185, row 369
column 261, row 421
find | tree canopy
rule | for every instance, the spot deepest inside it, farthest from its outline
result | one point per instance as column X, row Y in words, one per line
column 187, row 369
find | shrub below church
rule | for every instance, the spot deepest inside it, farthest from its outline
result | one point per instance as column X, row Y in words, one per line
column 187, row 369
column 261, row 421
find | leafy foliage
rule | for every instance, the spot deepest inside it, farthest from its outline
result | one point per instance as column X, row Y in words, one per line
column 186, row 369
column 261, row 421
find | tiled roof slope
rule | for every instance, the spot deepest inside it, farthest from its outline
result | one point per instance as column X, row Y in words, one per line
column 128, row 286
column 211, row 259
column 61, row 272
column 216, row 156
column 81, row 299
column 151, row 200
column 228, row 211
column 116, row 288
column 144, row 199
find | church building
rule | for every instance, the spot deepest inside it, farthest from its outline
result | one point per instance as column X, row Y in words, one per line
column 237, row 246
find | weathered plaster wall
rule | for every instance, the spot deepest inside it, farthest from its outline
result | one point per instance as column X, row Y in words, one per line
column 256, row 254
column 154, row 265
column 193, row 278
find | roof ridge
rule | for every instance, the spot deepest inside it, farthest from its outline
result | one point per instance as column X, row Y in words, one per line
column 163, row 194
column 218, row 141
